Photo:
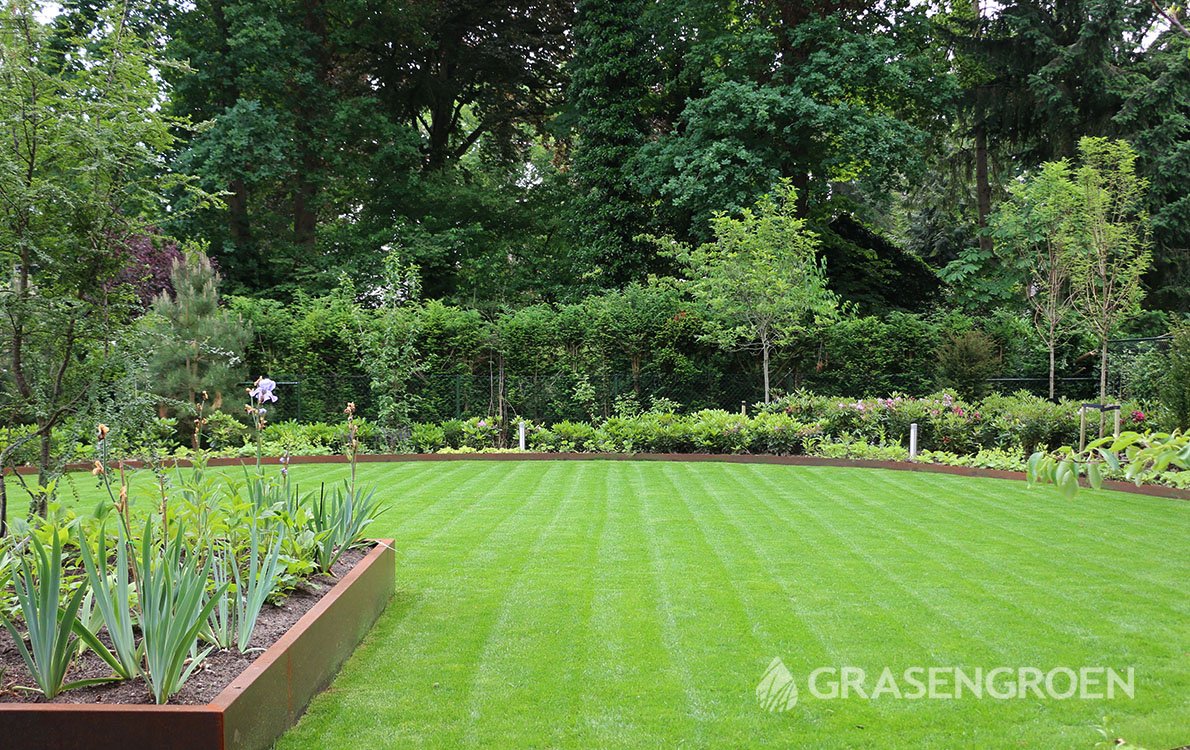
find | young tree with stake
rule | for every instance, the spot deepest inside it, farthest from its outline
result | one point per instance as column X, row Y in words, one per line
column 1109, row 227
column 1032, row 229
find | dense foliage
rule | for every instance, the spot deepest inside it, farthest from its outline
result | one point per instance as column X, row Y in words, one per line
column 450, row 211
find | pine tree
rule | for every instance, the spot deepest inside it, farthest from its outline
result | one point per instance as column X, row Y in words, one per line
column 198, row 346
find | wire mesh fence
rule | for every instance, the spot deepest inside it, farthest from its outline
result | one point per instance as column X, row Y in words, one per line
column 437, row 397
column 555, row 396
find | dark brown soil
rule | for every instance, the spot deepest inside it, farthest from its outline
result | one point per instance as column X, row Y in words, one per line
column 211, row 677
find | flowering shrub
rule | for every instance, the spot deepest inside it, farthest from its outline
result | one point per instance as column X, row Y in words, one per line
column 480, row 433
column 779, row 434
column 1031, row 422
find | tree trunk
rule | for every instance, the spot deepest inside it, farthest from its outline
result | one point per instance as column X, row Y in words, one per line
column 1053, row 389
column 310, row 146
column 765, row 347
column 501, row 404
column 1103, row 372
column 305, row 220
column 1102, row 385
column 983, row 188
column 39, row 504
column 237, row 214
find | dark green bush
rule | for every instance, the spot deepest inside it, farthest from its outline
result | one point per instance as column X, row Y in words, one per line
column 876, row 356
column 966, row 361
column 574, row 436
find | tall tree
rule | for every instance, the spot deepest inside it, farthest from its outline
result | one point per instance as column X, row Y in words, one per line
column 336, row 128
column 609, row 83
column 1033, row 229
column 1155, row 119
column 834, row 96
column 64, row 229
column 197, row 346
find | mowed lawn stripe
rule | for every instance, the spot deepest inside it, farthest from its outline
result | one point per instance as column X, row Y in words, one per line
column 854, row 613
column 1094, row 543
column 675, row 604
column 421, row 661
column 630, row 696
column 542, row 612
column 996, row 546
column 1026, row 605
column 773, row 583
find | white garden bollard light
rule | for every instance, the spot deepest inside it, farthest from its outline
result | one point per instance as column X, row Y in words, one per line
column 913, row 441
column 522, row 435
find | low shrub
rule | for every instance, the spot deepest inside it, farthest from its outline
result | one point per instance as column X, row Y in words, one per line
column 427, row 438
column 716, row 431
column 574, row 437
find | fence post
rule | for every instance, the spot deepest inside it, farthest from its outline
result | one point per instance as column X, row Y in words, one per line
column 1082, row 427
column 913, row 441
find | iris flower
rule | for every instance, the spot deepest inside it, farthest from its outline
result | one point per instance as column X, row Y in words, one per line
column 264, row 390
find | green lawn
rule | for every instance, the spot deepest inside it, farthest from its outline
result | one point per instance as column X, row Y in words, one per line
column 637, row 605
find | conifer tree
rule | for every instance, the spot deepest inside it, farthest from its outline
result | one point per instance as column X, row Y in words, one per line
column 198, row 345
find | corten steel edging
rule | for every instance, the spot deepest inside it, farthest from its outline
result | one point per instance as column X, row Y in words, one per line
column 271, row 695
column 1154, row 490
column 253, row 711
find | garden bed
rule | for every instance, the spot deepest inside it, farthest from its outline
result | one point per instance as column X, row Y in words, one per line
column 235, row 702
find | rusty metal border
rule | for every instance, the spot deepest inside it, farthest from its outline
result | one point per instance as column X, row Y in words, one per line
column 253, row 711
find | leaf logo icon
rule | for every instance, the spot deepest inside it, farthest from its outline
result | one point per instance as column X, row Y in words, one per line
column 777, row 690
